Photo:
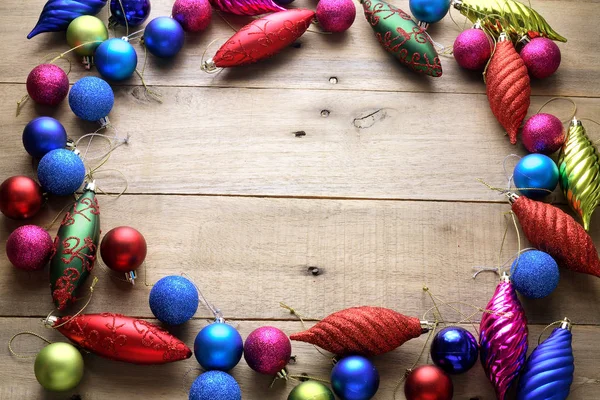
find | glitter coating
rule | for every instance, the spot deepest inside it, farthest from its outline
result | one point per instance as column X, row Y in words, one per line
column 246, row 7
column 534, row 274
column 472, row 49
column 218, row 346
column 354, row 378
column 543, row 133
column 536, row 171
column 42, row 135
column 454, row 349
column 336, row 15
column 115, row 59
column 136, row 11
column 428, row 382
column 47, row 84
column 542, row 57
column 215, row 385
column 174, row 300
column 29, row 247
column 164, row 37
column 20, row 197
column 91, row 98
column 192, row 15
column 267, row 350
column 61, row 172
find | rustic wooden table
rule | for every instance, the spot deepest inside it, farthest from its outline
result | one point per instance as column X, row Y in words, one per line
column 330, row 155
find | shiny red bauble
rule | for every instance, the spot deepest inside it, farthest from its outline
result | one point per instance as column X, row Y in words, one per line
column 428, row 382
column 20, row 197
column 123, row 249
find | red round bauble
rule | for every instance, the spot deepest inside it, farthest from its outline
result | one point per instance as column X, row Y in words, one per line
column 472, row 49
column 29, row 247
column 123, row 249
column 20, row 197
column 541, row 56
column 428, row 382
column 47, row 84
column 336, row 15
column 192, row 15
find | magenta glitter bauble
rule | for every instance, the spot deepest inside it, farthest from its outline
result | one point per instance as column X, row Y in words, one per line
column 192, row 15
column 47, row 84
column 472, row 49
column 541, row 56
column 29, row 247
column 543, row 133
column 336, row 15
column 267, row 350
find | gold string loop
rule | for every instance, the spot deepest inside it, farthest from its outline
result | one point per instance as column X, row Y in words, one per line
column 10, row 348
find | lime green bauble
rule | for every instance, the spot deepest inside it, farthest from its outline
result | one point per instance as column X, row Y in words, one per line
column 59, row 367
column 311, row 390
column 86, row 29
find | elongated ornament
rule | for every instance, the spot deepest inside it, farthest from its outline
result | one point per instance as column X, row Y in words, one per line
column 246, row 7
column 58, row 14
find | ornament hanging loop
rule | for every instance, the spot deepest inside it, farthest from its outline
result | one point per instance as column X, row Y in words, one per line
column 10, row 342
column 215, row 311
column 564, row 324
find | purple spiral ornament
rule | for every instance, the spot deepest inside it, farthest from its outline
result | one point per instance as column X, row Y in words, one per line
column 503, row 337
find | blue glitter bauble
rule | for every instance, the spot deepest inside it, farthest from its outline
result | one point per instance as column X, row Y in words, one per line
column 215, row 385
column 91, row 98
column 454, row 349
column 163, row 37
column 136, row 11
column 174, row 300
column 536, row 171
column 42, row 135
column 61, row 172
column 534, row 274
column 115, row 59
column 430, row 11
column 354, row 378
column 218, row 346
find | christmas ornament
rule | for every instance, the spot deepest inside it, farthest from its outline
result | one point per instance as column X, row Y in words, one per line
column 548, row 372
column 29, row 247
column 336, row 15
column 86, row 29
column 173, row 300
column 579, row 169
column 246, row 7
column 429, row 11
column 75, row 248
column 121, row 338
column 58, row 367
column 367, row 331
column 115, row 59
column 218, row 346
column 536, row 171
column 283, row 2
column 123, row 249
column 402, row 37
column 163, row 37
column 534, row 274
column 255, row 41
column 354, row 378
column 43, row 134
column 541, row 56
column 503, row 337
column 543, row 133
column 61, row 172
column 428, row 382
column 20, row 197
column 311, row 390
column 91, row 99
column 472, row 49
column 508, row 87
column 135, row 12
column 454, row 349
column 57, row 14
column 267, row 350
column 192, row 15
column 512, row 17
column 47, row 84
column 215, row 385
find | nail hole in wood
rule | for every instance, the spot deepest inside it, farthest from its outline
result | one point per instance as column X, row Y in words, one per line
column 333, row 80
column 293, row 359
column 325, row 113
column 304, row 377
column 297, row 45
column 299, row 133
column 315, row 271
column 75, row 397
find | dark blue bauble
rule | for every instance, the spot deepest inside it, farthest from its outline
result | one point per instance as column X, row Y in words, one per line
column 283, row 2
column 58, row 14
column 534, row 274
column 536, row 171
column 42, row 135
column 218, row 346
column 454, row 349
column 174, row 300
column 61, row 172
column 115, row 59
column 163, row 37
column 215, row 385
column 91, row 98
column 136, row 11
column 430, row 11
column 354, row 378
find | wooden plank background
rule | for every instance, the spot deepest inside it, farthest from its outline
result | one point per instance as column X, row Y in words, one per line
column 247, row 179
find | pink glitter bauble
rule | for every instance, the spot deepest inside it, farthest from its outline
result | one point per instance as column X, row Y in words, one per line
column 472, row 49
column 336, row 15
column 29, row 247
column 192, row 15
column 543, row 133
column 267, row 350
column 47, row 84
column 541, row 56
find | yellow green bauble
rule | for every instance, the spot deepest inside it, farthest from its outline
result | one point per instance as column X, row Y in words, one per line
column 86, row 29
column 311, row 390
column 59, row 367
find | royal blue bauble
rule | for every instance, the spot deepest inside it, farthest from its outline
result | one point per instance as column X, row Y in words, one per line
column 42, row 135
column 535, row 171
column 115, row 59
column 136, row 11
column 91, row 98
column 163, row 37
column 534, row 274
column 61, row 172
column 218, row 346
column 454, row 349
column 215, row 385
column 174, row 300
column 430, row 11
column 354, row 378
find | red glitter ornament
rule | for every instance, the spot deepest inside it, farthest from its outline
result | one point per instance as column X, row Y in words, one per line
column 29, row 247
column 20, row 197
column 246, row 7
column 267, row 350
column 192, row 15
column 428, row 382
column 47, row 84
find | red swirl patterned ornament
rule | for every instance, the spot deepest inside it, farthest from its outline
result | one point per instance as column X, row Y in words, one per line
column 261, row 39
column 246, row 7
column 121, row 338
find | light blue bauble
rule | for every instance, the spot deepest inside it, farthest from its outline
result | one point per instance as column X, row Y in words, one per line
column 174, row 300
column 430, row 11
column 215, row 385
column 61, row 172
column 115, row 59
column 218, row 346
column 91, row 98
column 535, row 171
column 534, row 274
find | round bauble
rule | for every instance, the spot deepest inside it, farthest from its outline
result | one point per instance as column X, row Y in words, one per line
column 428, row 382
column 29, row 247
column 20, row 197
column 541, row 56
column 192, row 15
column 311, row 390
column 354, row 378
column 115, row 59
column 174, row 300
column 42, row 135
column 534, row 274
column 163, row 37
column 454, row 349
column 336, row 15
column 47, row 84
column 134, row 11
column 91, row 98
column 88, row 32
column 215, row 385
column 123, row 249
column 283, row 2
column 543, row 133
column 535, row 171
column 218, row 346
column 267, row 350
column 61, row 172
column 472, row 49
column 429, row 11
column 58, row 367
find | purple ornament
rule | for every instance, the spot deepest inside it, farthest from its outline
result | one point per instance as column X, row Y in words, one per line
column 47, row 84
column 192, row 15
column 541, row 56
column 543, row 133
column 29, row 247
column 267, row 350
column 336, row 15
column 503, row 337
column 472, row 49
